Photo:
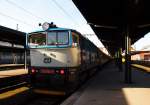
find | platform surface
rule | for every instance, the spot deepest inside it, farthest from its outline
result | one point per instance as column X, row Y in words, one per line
column 107, row 87
column 10, row 73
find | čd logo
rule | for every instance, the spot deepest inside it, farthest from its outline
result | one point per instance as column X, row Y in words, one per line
column 47, row 60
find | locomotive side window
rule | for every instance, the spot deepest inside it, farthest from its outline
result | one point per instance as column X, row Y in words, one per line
column 75, row 39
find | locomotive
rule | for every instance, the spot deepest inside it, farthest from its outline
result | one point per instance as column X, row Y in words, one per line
column 61, row 59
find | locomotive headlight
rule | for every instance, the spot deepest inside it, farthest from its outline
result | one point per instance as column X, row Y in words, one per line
column 45, row 26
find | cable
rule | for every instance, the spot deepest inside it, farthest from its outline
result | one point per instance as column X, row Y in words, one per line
column 62, row 9
column 12, row 3
column 56, row 3
column 66, row 13
column 2, row 14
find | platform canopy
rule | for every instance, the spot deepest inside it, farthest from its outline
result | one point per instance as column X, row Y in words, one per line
column 112, row 19
column 12, row 36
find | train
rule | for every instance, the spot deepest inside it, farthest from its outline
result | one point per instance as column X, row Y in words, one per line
column 61, row 59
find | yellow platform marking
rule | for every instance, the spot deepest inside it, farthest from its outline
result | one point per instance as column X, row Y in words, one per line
column 49, row 92
column 147, row 69
column 13, row 92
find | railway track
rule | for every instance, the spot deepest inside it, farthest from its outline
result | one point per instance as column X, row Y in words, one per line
column 17, row 82
column 28, row 97
column 44, row 100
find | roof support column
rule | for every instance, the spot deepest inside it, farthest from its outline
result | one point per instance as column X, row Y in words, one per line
column 128, row 72
column 25, row 58
column 118, row 59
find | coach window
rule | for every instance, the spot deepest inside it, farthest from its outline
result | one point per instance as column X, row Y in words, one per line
column 75, row 40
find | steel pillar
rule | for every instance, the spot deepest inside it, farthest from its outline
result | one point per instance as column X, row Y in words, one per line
column 128, row 72
column 120, row 59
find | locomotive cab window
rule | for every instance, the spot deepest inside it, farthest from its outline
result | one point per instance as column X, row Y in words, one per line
column 75, row 40
column 37, row 39
column 58, row 38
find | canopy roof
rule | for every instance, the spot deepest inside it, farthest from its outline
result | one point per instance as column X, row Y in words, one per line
column 110, row 19
column 12, row 36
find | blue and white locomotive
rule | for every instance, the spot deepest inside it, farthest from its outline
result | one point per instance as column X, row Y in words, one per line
column 60, row 59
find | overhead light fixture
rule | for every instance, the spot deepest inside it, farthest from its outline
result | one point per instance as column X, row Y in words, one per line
column 143, row 25
column 102, row 26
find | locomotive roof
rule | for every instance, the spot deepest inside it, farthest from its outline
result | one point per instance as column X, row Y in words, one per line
column 54, row 29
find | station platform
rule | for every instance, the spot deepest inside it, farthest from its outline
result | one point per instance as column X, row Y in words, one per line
column 11, row 73
column 141, row 67
column 10, row 70
column 107, row 87
column 13, row 86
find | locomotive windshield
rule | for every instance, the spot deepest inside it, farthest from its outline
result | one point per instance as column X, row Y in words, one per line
column 48, row 38
column 58, row 38
column 36, row 39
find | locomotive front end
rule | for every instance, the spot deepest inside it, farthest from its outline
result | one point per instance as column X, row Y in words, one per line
column 51, row 58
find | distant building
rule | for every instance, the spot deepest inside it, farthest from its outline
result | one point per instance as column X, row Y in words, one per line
column 143, row 55
column 135, row 56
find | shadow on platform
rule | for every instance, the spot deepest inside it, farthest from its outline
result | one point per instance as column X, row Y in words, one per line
column 108, row 88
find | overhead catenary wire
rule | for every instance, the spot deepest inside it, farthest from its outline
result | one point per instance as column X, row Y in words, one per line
column 23, row 9
column 56, row 3
column 66, row 13
column 87, row 29
column 17, row 20
column 62, row 9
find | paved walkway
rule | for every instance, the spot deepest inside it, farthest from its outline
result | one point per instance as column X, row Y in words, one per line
column 10, row 73
column 108, row 88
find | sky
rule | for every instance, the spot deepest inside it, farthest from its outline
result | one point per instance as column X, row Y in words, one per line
column 29, row 13
column 143, row 42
